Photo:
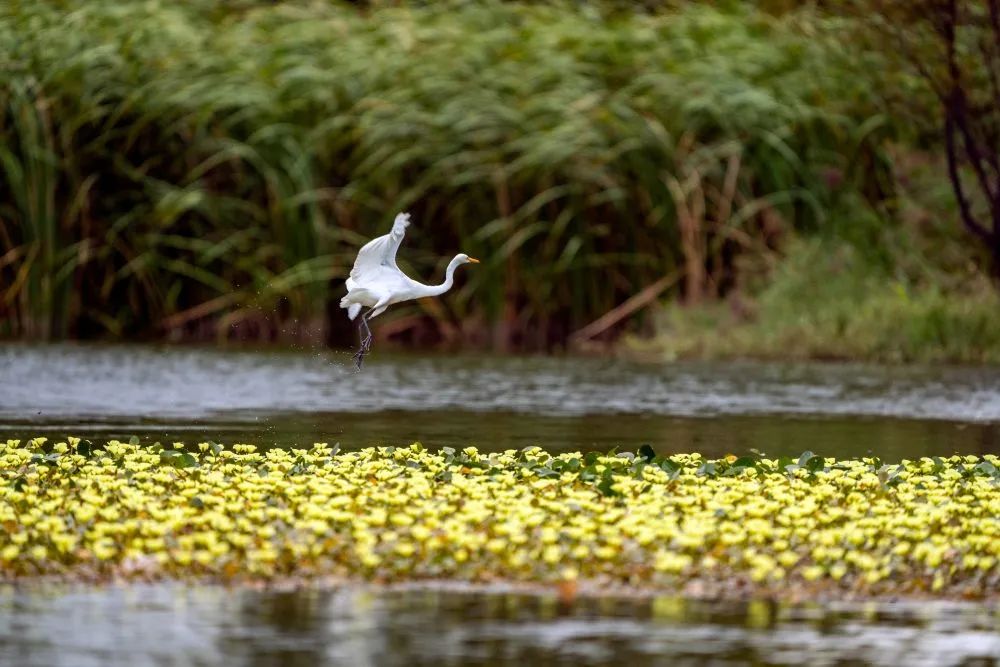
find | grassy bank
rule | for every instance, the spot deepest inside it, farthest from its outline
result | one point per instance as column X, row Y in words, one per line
column 825, row 301
column 196, row 169
column 390, row 514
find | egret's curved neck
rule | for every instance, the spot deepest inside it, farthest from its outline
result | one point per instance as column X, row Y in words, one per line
column 449, row 280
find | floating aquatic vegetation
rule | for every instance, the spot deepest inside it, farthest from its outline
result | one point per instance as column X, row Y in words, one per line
column 812, row 523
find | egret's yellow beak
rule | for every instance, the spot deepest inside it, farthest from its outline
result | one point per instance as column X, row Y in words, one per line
column 474, row 260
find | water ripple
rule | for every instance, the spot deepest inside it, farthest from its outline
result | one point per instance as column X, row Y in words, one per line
column 145, row 382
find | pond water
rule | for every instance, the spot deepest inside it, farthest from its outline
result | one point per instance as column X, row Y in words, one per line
column 156, row 625
column 273, row 398
column 284, row 398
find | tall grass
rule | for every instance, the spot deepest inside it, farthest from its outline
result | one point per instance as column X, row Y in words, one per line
column 182, row 167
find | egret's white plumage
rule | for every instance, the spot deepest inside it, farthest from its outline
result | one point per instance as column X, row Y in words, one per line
column 377, row 283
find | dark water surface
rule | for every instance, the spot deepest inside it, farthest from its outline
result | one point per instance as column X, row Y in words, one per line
column 158, row 625
column 281, row 398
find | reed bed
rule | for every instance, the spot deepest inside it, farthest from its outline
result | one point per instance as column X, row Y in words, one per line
column 791, row 527
column 199, row 168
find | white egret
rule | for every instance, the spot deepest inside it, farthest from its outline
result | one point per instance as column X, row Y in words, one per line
column 376, row 282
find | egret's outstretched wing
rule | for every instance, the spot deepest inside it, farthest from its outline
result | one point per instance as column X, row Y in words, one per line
column 380, row 253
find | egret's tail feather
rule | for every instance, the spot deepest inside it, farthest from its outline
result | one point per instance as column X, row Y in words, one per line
column 353, row 308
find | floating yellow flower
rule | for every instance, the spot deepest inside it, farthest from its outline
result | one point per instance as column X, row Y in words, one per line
column 389, row 513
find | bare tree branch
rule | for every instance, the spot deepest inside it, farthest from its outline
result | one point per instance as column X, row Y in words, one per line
column 964, row 208
column 954, row 47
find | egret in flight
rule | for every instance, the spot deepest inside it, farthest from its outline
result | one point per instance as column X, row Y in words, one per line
column 376, row 282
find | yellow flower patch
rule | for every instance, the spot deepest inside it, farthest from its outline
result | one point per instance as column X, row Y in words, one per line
column 929, row 525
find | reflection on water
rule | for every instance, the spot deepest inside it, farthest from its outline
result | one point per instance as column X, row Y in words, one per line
column 142, row 625
column 496, row 403
column 890, row 439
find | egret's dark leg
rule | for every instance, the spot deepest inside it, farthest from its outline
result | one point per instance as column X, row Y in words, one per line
column 366, row 340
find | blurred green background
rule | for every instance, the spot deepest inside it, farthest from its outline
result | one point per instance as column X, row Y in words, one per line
column 760, row 179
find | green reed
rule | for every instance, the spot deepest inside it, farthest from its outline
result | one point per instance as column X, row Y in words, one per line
column 184, row 167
